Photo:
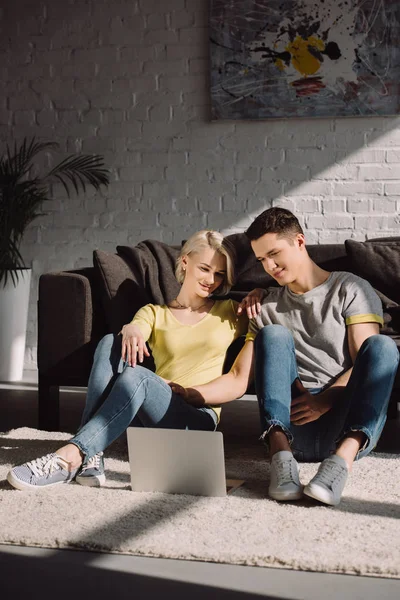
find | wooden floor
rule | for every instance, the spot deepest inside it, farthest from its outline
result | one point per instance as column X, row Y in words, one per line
column 18, row 408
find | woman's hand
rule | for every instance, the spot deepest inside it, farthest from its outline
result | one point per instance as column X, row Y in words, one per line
column 251, row 303
column 178, row 389
column 133, row 345
column 190, row 395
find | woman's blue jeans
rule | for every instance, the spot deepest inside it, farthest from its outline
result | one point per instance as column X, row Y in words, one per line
column 119, row 395
column 362, row 406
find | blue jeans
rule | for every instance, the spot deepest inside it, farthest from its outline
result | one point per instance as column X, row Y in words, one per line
column 361, row 407
column 119, row 395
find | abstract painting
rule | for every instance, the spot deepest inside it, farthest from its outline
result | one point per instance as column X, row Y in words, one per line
column 304, row 58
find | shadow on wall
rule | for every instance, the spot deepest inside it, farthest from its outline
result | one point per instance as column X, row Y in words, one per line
column 338, row 175
column 216, row 174
column 131, row 82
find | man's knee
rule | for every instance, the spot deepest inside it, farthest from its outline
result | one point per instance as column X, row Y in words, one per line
column 383, row 346
column 273, row 334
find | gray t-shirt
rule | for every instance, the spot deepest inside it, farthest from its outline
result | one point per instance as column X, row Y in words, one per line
column 317, row 319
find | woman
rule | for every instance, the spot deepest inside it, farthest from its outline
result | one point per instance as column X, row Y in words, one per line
column 188, row 338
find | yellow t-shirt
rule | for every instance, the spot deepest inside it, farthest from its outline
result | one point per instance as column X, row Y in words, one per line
column 190, row 354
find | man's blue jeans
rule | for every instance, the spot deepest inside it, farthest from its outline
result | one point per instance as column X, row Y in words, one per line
column 119, row 395
column 362, row 406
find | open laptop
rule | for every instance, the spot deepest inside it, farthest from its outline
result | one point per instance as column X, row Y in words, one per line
column 176, row 461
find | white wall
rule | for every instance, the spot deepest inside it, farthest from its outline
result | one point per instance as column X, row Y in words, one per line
column 129, row 80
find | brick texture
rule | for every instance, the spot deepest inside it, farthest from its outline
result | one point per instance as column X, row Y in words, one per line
column 130, row 80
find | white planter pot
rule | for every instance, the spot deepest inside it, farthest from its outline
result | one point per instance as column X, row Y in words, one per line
column 14, row 303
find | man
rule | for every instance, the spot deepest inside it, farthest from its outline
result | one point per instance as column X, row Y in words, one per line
column 323, row 373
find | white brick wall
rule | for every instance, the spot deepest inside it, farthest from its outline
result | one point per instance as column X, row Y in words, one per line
column 129, row 80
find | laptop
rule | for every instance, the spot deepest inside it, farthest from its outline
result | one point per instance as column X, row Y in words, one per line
column 178, row 461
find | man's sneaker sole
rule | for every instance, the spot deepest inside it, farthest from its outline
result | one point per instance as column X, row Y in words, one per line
column 319, row 493
column 93, row 481
column 285, row 496
column 22, row 485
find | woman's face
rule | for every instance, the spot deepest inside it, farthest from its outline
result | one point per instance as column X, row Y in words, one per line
column 204, row 271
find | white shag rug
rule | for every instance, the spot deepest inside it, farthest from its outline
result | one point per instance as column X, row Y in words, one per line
column 360, row 536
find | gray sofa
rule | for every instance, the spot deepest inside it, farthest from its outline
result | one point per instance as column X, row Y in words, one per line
column 76, row 308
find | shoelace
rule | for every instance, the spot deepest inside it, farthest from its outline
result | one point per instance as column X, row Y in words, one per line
column 330, row 472
column 93, row 462
column 44, row 465
column 284, row 472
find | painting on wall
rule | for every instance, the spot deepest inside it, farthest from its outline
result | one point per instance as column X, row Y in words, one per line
column 304, row 58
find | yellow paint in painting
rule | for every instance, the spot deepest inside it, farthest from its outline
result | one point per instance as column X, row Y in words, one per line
column 302, row 60
column 280, row 64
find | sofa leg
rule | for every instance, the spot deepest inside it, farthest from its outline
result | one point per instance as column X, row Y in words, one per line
column 49, row 405
column 392, row 412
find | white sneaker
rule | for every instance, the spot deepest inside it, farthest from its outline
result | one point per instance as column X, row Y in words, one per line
column 327, row 485
column 284, row 481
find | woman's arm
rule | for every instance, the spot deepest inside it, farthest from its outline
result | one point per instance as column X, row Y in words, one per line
column 225, row 388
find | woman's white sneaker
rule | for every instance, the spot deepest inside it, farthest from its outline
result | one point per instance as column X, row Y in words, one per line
column 92, row 472
column 46, row 471
column 284, row 479
column 328, row 484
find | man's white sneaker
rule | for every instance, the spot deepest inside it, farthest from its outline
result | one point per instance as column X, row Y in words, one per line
column 284, row 481
column 328, row 483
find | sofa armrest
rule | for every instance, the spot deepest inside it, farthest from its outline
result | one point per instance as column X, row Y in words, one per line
column 70, row 325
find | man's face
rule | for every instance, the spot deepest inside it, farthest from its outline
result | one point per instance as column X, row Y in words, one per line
column 281, row 257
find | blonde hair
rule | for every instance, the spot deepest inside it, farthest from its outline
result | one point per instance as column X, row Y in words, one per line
column 209, row 239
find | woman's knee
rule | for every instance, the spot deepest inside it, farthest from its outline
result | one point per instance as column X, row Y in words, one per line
column 135, row 374
column 108, row 344
column 107, row 340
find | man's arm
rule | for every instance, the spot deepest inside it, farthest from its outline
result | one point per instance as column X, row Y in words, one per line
column 356, row 336
column 308, row 407
column 227, row 387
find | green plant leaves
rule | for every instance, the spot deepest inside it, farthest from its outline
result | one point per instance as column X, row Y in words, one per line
column 81, row 170
column 22, row 198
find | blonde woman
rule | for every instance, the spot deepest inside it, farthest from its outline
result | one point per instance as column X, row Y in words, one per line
column 188, row 338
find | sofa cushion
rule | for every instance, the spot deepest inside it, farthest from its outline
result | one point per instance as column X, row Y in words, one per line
column 135, row 276
column 379, row 263
column 121, row 296
column 391, row 325
column 153, row 265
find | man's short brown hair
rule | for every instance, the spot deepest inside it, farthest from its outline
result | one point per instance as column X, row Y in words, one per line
column 274, row 220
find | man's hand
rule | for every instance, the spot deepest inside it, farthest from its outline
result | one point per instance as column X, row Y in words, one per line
column 251, row 303
column 308, row 407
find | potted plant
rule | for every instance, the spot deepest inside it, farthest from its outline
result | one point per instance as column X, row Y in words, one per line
column 22, row 195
